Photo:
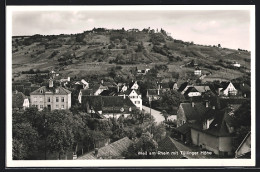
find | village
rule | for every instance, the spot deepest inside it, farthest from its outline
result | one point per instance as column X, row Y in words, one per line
column 79, row 118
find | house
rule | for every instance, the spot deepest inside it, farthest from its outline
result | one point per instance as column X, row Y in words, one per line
column 154, row 94
column 64, row 82
column 226, row 89
column 167, row 149
column 197, row 72
column 236, row 64
column 184, row 133
column 108, row 106
column 114, row 150
column 51, row 97
column 135, row 96
column 215, row 133
column 85, row 84
column 19, row 100
column 85, row 92
column 184, row 86
column 134, row 85
column 192, row 92
column 142, row 71
column 174, row 86
column 191, row 112
column 244, row 149
column 202, row 89
column 163, row 85
column 99, row 88
column 243, row 89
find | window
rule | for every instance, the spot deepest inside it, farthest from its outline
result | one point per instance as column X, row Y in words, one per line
column 57, row 99
column 40, row 99
column 137, row 102
column 36, row 106
column 41, row 106
column 48, row 99
column 62, row 106
column 62, row 99
column 57, row 106
column 35, row 99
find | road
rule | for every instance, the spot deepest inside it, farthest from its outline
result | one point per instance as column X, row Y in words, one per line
column 155, row 113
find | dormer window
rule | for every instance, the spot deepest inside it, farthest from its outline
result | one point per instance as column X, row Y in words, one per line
column 57, row 91
column 41, row 91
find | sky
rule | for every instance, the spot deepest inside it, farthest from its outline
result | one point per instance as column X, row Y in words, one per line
column 230, row 28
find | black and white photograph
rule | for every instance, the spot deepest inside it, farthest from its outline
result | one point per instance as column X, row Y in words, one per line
column 140, row 85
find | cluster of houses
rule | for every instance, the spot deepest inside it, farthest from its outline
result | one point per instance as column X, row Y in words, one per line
column 205, row 120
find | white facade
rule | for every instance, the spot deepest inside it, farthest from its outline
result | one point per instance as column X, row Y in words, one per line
column 136, row 99
column 197, row 72
column 26, row 103
column 135, row 86
column 230, row 90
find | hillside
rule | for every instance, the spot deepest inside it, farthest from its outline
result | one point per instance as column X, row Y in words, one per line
column 94, row 52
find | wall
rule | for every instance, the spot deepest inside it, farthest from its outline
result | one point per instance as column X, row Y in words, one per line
column 225, row 144
column 207, row 141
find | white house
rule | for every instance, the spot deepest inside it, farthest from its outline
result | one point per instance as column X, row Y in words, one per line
column 84, row 83
column 227, row 88
column 135, row 86
column 197, row 72
column 134, row 96
column 19, row 100
column 236, row 64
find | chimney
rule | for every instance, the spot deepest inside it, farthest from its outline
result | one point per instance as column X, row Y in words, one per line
column 117, row 88
column 96, row 152
column 213, row 107
column 192, row 104
column 124, row 96
column 102, row 82
column 50, row 83
column 68, row 78
column 158, row 92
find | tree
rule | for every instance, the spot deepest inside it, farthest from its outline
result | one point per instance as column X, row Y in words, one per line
column 165, row 115
column 158, row 131
column 60, row 134
column 170, row 100
column 25, row 140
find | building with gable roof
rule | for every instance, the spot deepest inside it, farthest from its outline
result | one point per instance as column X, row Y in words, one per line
column 51, row 97
column 135, row 96
column 111, row 151
column 108, row 106
column 215, row 133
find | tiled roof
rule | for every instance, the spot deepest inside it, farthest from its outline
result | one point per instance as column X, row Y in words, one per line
column 190, row 89
column 196, row 112
column 167, row 145
column 108, row 103
column 183, row 86
column 127, row 92
column 224, row 84
column 18, row 100
column 218, row 127
column 202, row 89
column 244, row 88
column 87, row 92
column 183, row 129
column 111, row 151
column 154, row 92
column 47, row 90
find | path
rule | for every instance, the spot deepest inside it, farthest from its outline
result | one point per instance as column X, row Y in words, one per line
column 155, row 113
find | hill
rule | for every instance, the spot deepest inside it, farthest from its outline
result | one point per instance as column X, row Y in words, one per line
column 96, row 51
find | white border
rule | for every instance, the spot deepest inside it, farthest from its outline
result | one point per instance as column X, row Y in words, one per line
column 124, row 163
